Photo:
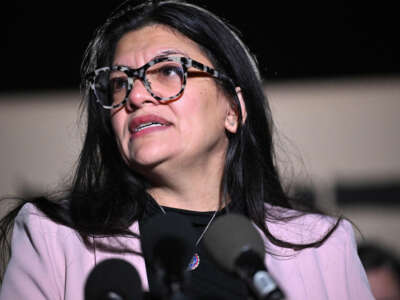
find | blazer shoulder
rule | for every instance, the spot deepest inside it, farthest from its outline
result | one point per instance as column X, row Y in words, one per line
column 305, row 228
column 35, row 223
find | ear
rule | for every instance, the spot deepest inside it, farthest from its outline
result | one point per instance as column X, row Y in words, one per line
column 232, row 115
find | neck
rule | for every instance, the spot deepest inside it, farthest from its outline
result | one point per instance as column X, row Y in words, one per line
column 189, row 196
column 199, row 190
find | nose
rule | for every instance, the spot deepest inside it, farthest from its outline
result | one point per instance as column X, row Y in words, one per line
column 139, row 96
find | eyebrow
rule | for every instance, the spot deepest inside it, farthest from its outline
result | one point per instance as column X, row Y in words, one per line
column 165, row 53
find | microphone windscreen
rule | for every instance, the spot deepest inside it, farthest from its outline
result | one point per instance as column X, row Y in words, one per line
column 113, row 279
column 229, row 236
column 168, row 239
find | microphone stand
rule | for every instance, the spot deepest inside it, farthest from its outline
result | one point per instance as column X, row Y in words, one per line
column 250, row 268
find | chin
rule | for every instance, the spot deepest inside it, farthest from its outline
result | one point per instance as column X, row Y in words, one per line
column 148, row 159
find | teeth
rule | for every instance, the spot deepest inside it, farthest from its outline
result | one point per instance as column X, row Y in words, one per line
column 145, row 125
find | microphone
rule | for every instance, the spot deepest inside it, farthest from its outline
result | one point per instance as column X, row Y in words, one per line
column 236, row 246
column 113, row 279
column 168, row 245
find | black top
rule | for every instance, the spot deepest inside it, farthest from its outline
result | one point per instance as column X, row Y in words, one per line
column 207, row 281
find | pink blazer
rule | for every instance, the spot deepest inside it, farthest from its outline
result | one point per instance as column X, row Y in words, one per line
column 49, row 261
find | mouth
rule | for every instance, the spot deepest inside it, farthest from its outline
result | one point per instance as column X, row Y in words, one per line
column 147, row 122
column 147, row 125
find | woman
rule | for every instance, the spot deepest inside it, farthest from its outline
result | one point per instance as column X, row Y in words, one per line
column 177, row 121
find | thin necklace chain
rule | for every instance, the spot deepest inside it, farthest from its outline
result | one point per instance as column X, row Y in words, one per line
column 205, row 229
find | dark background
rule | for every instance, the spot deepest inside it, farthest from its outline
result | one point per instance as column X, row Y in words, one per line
column 43, row 42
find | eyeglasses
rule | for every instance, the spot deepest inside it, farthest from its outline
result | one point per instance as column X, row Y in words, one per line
column 164, row 78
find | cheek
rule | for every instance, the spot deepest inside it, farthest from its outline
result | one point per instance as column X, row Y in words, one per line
column 191, row 115
column 202, row 118
column 201, row 105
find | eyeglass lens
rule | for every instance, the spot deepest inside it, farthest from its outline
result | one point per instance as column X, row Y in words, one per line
column 164, row 80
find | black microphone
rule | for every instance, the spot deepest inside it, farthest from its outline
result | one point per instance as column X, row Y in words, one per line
column 236, row 246
column 113, row 279
column 168, row 246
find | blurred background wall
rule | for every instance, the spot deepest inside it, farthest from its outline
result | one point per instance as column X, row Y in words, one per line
column 337, row 141
column 40, row 138
column 341, row 145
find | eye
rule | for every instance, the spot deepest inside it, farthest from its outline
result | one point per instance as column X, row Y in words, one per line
column 118, row 84
column 165, row 71
column 171, row 70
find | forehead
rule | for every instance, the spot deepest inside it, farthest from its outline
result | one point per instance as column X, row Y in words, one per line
column 137, row 47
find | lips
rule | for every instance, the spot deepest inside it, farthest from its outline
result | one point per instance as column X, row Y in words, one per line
column 146, row 123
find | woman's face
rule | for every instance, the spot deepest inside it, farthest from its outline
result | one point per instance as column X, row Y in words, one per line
column 193, row 131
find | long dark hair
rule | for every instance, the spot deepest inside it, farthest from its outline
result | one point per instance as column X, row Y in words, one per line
column 106, row 196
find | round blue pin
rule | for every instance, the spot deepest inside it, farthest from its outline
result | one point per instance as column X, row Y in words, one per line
column 194, row 262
